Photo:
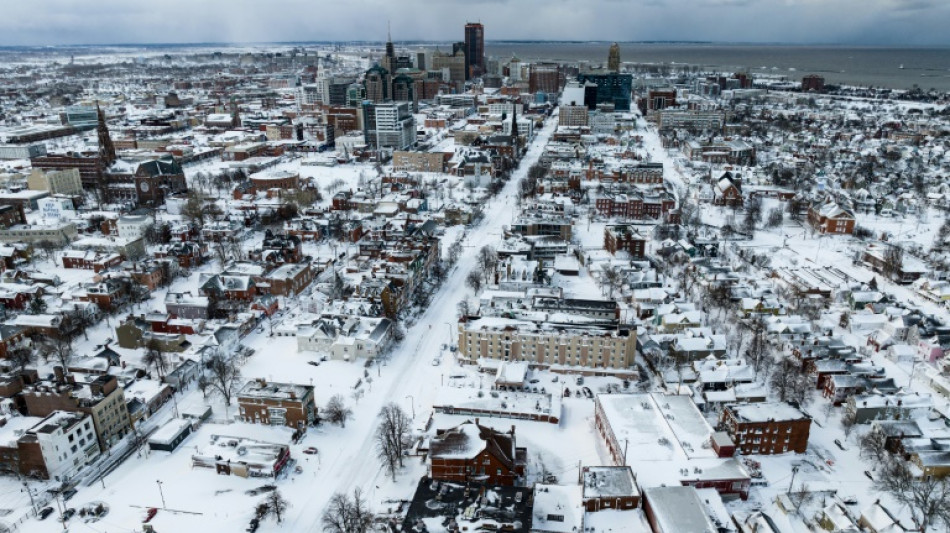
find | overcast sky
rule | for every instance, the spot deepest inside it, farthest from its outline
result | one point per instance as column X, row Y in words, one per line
column 884, row 22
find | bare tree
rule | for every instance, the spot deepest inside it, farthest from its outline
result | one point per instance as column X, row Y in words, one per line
column 276, row 505
column 873, row 445
column 757, row 351
column 58, row 346
column 893, row 261
column 347, row 515
column 224, row 378
column 474, row 281
column 487, row 261
column 927, row 498
column 392, row 437
column 775, row 218
column 336, row 411
column 21, row 357
column 801, row 496
column 848, row 421
column 611, row 279
column 790, row 381
column 155, row 357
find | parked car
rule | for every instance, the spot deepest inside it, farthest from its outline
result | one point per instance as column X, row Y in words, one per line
column 68, row 493
column 588, row 393
column 68, row 513
column 310, row 451
column 44, row 513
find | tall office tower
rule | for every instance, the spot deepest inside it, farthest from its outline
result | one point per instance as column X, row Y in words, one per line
column 377, row 83
column 613, row 58
column 474, row 50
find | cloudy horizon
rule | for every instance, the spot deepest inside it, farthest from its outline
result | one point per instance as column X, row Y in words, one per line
column 839, row 22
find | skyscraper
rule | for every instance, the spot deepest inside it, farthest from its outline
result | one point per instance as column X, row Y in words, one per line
column 474, row 50
column 613, row 58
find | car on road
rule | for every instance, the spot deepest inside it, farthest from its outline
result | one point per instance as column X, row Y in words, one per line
column 314, row 363
column 588, row 393
column 533, row 381
column 310, row 451
column 44, row 513
column 436, row 362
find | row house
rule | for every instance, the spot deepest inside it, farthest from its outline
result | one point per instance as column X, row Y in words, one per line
column 19, row 295
column 290, row 279
column 305, row 229
column 101, row 397
column 56, row 447
column 188, row 254
column 90, row 260
column 634, row 205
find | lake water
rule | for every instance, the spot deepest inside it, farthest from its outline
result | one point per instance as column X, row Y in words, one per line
column 863, row 66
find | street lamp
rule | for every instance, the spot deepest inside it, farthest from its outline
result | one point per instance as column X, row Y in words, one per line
column 412, row 404
column 160, row 493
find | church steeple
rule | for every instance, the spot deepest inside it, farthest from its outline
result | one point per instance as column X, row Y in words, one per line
column 106, row 148
column 235, row 116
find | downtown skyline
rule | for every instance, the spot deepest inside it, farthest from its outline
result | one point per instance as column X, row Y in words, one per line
column 846, row 22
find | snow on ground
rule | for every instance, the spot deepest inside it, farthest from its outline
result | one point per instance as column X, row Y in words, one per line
column 347, row 455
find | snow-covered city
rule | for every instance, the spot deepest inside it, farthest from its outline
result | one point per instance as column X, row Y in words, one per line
column 408, row 287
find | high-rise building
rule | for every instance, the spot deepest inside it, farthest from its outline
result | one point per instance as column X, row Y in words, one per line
column 404, row 90
column 613, row 58
column 395, row 126
column 474, row 50
column 611, row 88
column 455, row 63
column 377, row 84
column 545, row 78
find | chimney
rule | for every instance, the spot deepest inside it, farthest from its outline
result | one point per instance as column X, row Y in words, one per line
column 59, row 373
column 512, row 430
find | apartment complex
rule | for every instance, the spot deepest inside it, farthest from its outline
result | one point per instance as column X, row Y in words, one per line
column 547, row 344
column 766, row 428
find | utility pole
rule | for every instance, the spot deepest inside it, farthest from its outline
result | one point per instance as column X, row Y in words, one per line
column 26, row 487
column 412, row 404
column 792, row 483
column 160, row 493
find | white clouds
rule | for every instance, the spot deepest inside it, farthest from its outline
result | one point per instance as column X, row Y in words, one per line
column 797, row 21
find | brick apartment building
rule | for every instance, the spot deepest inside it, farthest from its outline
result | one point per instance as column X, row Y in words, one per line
column 277, row 404
column 102, row 398
column 625, row 238
column 766, row 428
column 471, row 452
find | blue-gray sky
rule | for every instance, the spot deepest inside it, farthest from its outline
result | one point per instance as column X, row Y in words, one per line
column 881, row 22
